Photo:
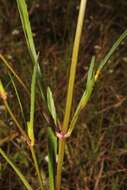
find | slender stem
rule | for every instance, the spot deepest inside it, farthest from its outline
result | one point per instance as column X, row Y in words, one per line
column 74, row 64
column 60, row 163
column 70, row 90
column 26, row 137
column 37, row 168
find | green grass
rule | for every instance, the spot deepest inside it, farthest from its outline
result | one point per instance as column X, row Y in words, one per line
column 89, row 142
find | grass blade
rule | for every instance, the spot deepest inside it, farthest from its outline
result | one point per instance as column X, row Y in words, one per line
column 51, row 105
column 17, row 171
column 22, row 7
column 90, row 71
column 3, row 95
column 18, row 97
column 14, row 73
column 110, row 53
column 32, row 106
column 85, row 97
column 52, row 151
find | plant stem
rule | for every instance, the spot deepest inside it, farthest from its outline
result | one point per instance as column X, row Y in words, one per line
column 60, row 163
column 70, row 90
column 37, row 168
column 74, row 64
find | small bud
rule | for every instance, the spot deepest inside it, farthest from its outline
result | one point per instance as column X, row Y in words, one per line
column 61, row 135
column 3, row 93
column 97, row 74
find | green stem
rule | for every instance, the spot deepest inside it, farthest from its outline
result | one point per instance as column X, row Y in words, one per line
column 60, row 163
column 37, row 168
column 70, row 90
column 74, row 64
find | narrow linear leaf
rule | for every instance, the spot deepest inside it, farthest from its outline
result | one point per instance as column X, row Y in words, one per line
column 85, row 97
column 51, row 105
column 91, row 70
column 5, row 62
column 92, row 78
column 33, row 89
column 30, row 124
column 17, row 171
column 52, row 151
column 112, row 50
column 3, row 95
column 18, row 97
column 22, row 7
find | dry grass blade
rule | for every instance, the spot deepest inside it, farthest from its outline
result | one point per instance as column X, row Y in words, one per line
column 14, row 73
column 18, row 97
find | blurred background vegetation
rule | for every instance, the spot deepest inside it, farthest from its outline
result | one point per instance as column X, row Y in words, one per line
column 96, row 155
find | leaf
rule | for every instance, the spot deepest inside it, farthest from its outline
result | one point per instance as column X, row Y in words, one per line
column 51, row 105
column 22, row 7
column 17, row 171
column 30, row 124
column 91, row 70
column 10, row 68
column 91, row 79
column 52, row 151
column 85, row 97
column 18, row 97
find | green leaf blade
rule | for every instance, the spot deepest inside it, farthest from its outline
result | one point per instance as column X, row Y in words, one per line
column 30, row 124
column 52, row 151
column 51, row 105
